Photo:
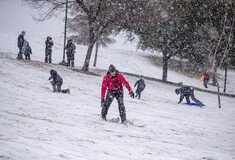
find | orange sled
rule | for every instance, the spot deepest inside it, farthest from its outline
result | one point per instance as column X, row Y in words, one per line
column 202, row 78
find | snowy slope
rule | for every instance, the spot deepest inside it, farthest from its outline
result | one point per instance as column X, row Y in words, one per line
column 39, row 124
column 123, row 56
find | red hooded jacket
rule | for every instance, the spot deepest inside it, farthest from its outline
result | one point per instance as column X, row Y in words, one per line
column 114, row 84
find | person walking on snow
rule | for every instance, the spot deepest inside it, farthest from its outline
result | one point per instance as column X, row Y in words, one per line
column 20, row 44
column 57, row 82
column 187, row 91
column 206, row 79
column 27, row 51
column 140, row 87
column 48, row 50
column 113, row 82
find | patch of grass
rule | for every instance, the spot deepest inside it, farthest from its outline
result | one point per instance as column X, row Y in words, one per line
column 173, row 65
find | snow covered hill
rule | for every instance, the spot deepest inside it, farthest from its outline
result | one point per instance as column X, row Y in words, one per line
column 123, row 56
column 39, row 124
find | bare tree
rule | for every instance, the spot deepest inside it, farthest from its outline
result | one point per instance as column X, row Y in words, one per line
column 100, row 15
column 78, row 26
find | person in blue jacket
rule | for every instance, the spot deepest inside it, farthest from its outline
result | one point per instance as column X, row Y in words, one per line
column 27, row 51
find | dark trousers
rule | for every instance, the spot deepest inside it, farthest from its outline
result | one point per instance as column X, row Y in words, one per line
column 19, row 56
column 48, row 53
column 205, row 83
column 57, row 87
column 138, row 93
column 70, row 59
column 109, row 99
column 27, row 57
column 191, row 93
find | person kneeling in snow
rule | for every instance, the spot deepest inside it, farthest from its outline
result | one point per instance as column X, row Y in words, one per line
column 57, row 82
column 114, row 81
column 140, row 87
column 187, row 91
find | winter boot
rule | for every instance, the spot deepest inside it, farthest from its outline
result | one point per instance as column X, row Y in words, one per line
column 46, row 60
column 68, row 91
column 200, row 103
column 104, row 118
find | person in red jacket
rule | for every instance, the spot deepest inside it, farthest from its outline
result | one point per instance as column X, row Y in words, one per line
column 113, row 82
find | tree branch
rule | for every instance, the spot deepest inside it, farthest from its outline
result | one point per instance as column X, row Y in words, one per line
column 82, row 5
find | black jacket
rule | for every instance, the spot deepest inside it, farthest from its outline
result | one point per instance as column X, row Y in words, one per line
column 56, row 77
column 49, row 45
column 185, row 90
column 20, row 40
column 140, row 84
column 70, row 47
column 206, row 77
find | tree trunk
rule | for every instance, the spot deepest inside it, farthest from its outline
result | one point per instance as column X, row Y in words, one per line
column 165, row 67
column 181, row 66
column 225, row 77
column 214, row 79
column 218, row 92
column 96, row 53
column 92, row 41
column 85, row 67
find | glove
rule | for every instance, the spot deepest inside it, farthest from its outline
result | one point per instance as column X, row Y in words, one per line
column 102, row 102
column 132, row 94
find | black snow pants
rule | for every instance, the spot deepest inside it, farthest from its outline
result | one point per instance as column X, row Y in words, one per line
column 19, row 56
column 138, row 92
column 57, row 87
column 191, row 94
column 70, row 58
column 48, row 53
column 27, row 57
column 205, row 83
column 109, row 100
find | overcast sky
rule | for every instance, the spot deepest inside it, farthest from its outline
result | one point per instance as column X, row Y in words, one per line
column 15, row 17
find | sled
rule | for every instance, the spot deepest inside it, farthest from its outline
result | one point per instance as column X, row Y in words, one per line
column 202, row 78
column 195, row 104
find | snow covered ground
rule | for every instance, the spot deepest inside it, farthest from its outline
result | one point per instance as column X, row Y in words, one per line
column 39, row 124
column 123, row 56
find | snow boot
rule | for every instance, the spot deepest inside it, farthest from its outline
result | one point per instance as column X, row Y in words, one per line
column 104, row 118
column 68, row 91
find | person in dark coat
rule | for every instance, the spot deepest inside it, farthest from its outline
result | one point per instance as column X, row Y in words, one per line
column 70, row 47
column 48, row 50
column 114, row 81
column 206, row 79
column 57, row 82
column 187, row 91
column 20, row 45
column 27, row 51
column 140, row 87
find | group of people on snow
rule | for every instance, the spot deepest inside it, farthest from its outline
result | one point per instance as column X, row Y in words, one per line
column 24, row 48
column 113, row 81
